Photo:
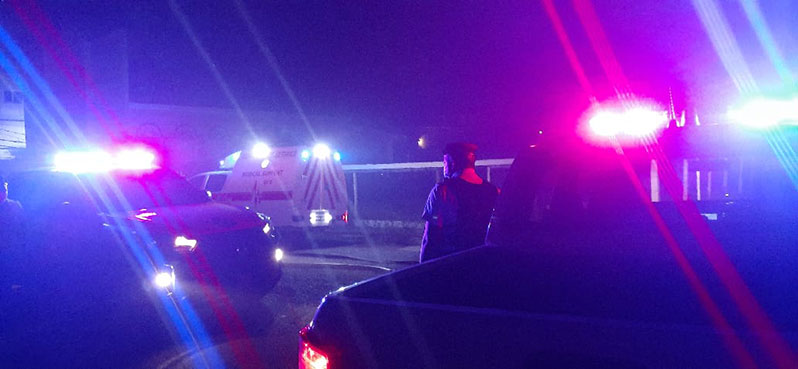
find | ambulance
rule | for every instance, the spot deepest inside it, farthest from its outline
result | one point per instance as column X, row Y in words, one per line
column 295, row 186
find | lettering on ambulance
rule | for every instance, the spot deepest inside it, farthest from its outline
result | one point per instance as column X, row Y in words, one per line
column 246, row 196
column 263, row 173
column 233, row 196
column 284, row 154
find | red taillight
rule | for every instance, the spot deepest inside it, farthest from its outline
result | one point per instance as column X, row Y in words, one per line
column 311, row 357
column 345, row 217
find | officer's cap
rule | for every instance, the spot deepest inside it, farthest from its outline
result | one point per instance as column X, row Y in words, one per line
column 459, row 148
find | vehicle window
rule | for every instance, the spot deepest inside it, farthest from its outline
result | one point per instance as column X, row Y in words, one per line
column 198, row 181
column 43, row 191
column 554, row 196
column 216, row 182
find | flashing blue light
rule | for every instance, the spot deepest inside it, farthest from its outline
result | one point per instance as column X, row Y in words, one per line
column 337, row 156
column 261, row 150
column 321, row 151
column 305, row 154
column 765, row 113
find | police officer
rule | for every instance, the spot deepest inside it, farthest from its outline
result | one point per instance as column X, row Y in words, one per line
column 11, row 223
column 458, row 209
column 10, row 210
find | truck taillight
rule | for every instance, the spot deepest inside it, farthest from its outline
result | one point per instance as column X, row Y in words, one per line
column 310, row 357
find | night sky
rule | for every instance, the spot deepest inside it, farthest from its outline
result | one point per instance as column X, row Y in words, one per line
column 493, row 68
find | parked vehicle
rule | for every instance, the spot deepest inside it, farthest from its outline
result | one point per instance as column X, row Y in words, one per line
column 133, row 254
column 294, row 186
column 581, row 270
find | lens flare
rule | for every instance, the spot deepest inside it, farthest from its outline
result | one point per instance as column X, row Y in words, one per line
column 164, row 279
column 261, row 150
column 765, row 113
column 321, row 151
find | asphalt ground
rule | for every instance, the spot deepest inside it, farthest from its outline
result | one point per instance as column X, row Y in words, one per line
column 273, row 322
column 138, row 339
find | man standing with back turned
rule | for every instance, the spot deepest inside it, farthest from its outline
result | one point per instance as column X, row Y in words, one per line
column 458, row 209
column 10, row 219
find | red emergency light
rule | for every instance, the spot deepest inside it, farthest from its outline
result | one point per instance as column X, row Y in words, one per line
column 98, row 161
column 624, row 123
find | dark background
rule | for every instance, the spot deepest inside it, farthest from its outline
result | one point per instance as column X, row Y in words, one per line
column 493, row 72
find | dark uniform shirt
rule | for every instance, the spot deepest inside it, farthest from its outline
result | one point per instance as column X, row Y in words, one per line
column 11, row 222
column 10, row 212
column 457, row 214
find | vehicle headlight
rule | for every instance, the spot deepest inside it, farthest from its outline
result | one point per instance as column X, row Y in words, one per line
column 267, row 228
column 182, row 242
column 165, row 278
column 278, row 254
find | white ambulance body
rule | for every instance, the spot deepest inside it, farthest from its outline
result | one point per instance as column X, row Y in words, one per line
column 294, row 186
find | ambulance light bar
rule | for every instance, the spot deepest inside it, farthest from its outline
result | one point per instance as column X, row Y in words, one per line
column 261, row 150
column 321, row 151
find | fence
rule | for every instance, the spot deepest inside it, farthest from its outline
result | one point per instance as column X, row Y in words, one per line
column 394, row 194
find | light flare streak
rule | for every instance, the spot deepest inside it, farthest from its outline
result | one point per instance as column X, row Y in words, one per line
column 735, row 286
column 184, row 320
column 568, row 47
column 726, row 47
column 49, row 38
column 762, row 30
column 602, row 47
column 206, row 57
column 719, row 32
column 272, row 60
